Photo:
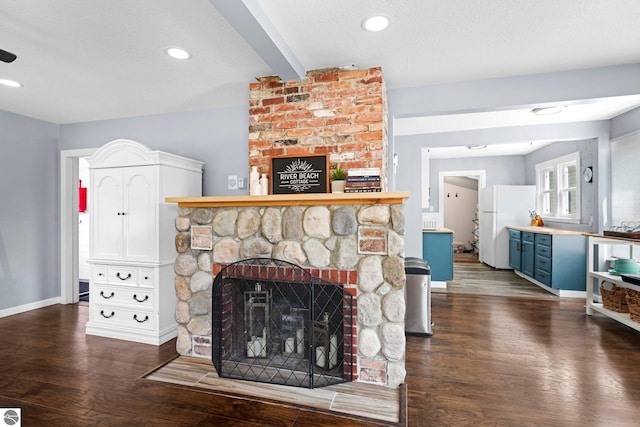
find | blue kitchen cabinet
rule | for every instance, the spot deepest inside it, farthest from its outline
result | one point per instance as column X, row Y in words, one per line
column 556, row 259
column 515, row 249
column 437, row 251
column 567, row 256
column 543, row 258
column 528, row 253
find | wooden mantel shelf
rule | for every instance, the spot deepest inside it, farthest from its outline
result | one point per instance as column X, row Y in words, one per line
column 391, row 198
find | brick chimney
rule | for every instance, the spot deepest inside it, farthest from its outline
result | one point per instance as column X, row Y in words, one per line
column 335, row 111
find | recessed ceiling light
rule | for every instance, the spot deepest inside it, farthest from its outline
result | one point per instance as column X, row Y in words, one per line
column 178, row 53
column 545, row 111
column 10, row 83
column 375, row 23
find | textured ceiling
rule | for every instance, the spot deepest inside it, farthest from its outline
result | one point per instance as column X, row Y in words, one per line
column 84, row 60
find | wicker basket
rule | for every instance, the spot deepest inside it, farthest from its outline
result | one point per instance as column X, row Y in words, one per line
column 633, row 303
column 614, row 298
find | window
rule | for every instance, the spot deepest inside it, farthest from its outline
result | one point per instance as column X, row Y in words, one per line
column 558, row 188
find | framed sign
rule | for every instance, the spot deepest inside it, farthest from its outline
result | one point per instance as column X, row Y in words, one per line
column 202, row 237
column 300, row 174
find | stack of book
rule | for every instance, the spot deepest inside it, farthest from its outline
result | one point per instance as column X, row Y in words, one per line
column 363, row 180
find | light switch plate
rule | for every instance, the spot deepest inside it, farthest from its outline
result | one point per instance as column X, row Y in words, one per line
column 233, row 182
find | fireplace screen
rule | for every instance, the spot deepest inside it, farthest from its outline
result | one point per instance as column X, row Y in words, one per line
column 273, row 322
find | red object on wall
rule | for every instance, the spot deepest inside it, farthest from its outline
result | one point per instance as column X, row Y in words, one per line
column 82, row 198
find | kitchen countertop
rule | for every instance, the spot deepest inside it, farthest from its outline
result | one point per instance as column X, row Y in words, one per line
column 437, row 230
column 546, row 230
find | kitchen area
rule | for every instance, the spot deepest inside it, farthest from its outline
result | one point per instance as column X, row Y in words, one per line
column 569, row 258
column 511, row 236
column 496, row 207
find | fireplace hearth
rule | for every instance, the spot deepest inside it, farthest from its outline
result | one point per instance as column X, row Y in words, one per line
column 273, row 322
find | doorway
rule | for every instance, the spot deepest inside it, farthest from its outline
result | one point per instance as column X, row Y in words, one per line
column 69, row 223
column 458, row 202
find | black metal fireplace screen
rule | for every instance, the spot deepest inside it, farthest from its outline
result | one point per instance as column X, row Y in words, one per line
column 274, row 322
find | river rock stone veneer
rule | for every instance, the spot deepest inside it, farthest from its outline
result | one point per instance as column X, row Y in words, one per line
column 338, row 243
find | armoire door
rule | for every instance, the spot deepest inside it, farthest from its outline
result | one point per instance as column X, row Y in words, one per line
column 140, row 214
column 106, row 215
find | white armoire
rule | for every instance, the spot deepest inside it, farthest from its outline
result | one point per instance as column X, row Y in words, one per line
column 132, row 235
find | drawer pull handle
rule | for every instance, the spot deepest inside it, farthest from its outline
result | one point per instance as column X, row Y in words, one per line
column 135, row 317
column 123, row 278
column 146, row 277
column 105, row 316
column 100, row 274
column 135, row 297
column 107, row 297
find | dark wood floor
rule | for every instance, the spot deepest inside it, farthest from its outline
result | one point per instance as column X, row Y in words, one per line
column 492, row 361
column 478, row 278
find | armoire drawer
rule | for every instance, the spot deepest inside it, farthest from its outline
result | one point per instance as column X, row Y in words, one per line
column 123, row 295
column 123, row 275
column 99, row 273
column 123, row 317
column 146, row 277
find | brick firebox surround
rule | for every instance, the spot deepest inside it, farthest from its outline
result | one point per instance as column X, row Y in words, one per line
column 340, row 112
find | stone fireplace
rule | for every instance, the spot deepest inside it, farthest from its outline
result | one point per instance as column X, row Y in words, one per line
column 351, row 240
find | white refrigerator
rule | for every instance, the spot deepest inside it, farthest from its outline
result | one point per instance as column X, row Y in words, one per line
column 500, row 206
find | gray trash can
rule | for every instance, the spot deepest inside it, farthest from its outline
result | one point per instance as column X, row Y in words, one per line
column 418, row 296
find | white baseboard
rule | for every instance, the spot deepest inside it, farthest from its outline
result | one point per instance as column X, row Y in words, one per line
column 563, row 293
column 145, row 337
column 28, row 307
column 437, row 284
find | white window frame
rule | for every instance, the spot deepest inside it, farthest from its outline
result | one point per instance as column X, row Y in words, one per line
column 562, row 186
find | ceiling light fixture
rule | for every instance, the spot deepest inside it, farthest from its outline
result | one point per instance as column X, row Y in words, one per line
column 178, row 53
column 10, row 83
column 546, row 111
column 375, row 23
column 476, row 147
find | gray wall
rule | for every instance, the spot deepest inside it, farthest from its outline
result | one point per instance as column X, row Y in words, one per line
column 218, row 137
column 625, row 124
column 29, row 219
column 499, row 170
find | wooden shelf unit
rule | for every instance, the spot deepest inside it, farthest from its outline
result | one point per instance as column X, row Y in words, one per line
column 596, row 277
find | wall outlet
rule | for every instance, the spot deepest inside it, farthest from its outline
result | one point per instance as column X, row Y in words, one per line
column 232, row 182
column 242, row 183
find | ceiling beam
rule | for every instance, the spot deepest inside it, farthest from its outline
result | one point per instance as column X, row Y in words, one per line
column 516, row 91
column 250, row 21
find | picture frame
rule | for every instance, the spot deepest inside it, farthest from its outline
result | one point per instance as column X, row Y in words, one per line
column 202, row 237
column 300, row 174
